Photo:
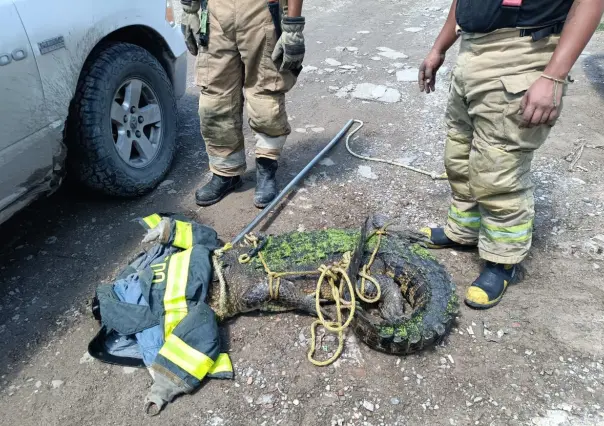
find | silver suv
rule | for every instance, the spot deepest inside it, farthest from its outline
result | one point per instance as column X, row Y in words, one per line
column 89, row 88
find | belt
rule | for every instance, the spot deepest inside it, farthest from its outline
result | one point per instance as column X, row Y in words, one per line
column 541, row 33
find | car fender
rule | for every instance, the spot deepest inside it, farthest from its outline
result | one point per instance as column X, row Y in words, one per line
column 63, row 33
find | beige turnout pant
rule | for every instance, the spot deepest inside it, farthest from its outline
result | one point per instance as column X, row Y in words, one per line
column 242, row 38
column 487, row 155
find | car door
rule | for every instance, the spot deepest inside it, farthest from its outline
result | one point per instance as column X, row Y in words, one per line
column 24, row 159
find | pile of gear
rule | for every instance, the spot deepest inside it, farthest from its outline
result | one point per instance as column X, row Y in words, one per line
column 163, row 309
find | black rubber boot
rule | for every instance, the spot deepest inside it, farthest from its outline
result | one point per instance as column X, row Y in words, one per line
column 266, row 184
column 437, row 239
column 491, row 284
column 216, row 189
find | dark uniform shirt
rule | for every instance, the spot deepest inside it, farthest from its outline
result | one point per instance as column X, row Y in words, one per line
column 483, row 16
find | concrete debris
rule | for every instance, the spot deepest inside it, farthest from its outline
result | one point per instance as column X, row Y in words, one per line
column 408, row 75
column 266, row 399
column 374, row 92
column 318, row 129
column 347, row 67
column 86, row 358
column 340, row 48
column 328, row 162
column 333, row 88
column 352, row 49
column 38, row 384
column 56, row 384
column 376, row 58
column 129, row 370
column 309, row 68
column 391, row 54
column 366, row 172
column 395, row 401
column 363, row 32
column 300, row 130
column 51, row 240
column 368, row 406
column 332, row 62
column 414, row 29
column 166, row 183
column 552, row 418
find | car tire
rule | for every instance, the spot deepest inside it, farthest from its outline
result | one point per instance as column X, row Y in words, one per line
column 93, row 134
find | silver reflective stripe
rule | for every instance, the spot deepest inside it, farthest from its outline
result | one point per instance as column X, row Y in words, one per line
column 232, row 161
column 267, row 142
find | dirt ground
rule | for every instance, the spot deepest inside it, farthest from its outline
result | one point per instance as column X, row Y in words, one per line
column 536, row 359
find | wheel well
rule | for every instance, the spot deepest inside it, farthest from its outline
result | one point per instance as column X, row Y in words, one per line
column 139, row 35
column 148, row 39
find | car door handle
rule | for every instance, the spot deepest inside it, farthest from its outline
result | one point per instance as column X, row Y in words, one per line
column 19, row 54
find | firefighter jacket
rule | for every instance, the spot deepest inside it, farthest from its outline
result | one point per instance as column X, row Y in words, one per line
column 155, row 314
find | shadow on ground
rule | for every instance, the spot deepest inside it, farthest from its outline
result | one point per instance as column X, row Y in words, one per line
column 56, row 251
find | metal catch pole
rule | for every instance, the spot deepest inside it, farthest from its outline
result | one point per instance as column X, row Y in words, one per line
column 293, row 183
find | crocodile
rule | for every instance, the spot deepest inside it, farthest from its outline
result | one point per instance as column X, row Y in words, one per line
column 417, row 305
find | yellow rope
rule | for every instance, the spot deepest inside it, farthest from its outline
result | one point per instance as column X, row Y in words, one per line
column 329, row 274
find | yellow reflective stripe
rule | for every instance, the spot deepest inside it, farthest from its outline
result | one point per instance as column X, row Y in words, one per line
column 175, row 301
column 192, row 361
column 460, row 213
column 184, row 235
column 512, row 234
column 152, row 221
column 222, row 365
column 465, row 219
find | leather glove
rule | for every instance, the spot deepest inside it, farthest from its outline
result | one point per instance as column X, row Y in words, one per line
column 290, row 45
column 191, row 24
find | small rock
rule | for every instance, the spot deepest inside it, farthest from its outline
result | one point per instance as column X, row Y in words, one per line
column 129, row 370
column 409, row 75
column 328, row 162
column 395, row 401
column 296, row 402
column 451, row 359
column 332, row 62
column 352, row 49
column 51, row 240
column 250, row 380
column 414, row 29
column 166, row 183
column 57, row 384
column 38, row 384
column 172, row 191
column 376, row 58
column 368, row 406
column 318, row 129
column 309, row 68
column 477, row 399
column 86, row 358
column 265, row 399
column 333, row 88
column 366, row 172
column 300, row 130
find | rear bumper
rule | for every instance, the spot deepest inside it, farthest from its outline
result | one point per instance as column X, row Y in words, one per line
column 180, row 75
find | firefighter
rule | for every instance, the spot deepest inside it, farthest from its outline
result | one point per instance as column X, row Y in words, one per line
column 505, row 95
column 239, row 51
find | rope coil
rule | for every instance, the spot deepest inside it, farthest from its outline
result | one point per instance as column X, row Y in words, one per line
column 434, row 176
